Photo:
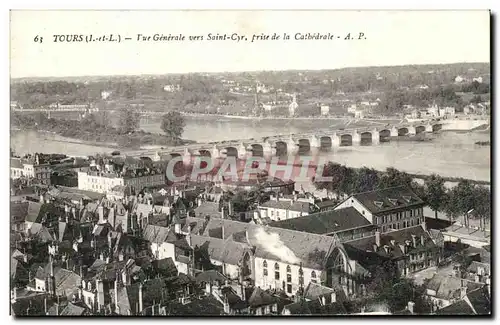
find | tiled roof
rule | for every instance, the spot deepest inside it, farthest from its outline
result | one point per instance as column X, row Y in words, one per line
column 325, row 222
column 260, row 298
column 16, row 163
column 34, row 212
column 73, row 310
column 391, row 198
column 155, row 234
column 40, row 232
column 398, row 237
column 310, row 249
column 460, row 307
column 207, row 209
column 480, row 300
column 446, row 287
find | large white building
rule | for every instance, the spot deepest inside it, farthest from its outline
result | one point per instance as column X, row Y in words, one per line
column 30, row 168
column 103, row 181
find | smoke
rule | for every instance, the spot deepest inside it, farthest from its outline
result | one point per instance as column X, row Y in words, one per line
column 273, row 244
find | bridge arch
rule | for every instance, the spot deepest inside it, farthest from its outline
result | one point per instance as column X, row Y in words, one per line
column 326, row 143
column 419, row 129
column 304, row 146
column 281, row 148
column 384, row 135
column 257, row 150
column 205, row 153
column 437, row 127
column 403, row 131
column 231, row 152
column 366, row 138
column 345, row 140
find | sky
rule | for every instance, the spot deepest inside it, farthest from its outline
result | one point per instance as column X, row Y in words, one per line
column 392, row 38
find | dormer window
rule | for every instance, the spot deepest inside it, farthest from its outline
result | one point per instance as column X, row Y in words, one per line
column 393, row 201
column 407, row 198
column 379, row 204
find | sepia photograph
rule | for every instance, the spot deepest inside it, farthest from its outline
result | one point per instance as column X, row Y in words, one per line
column 242, row 163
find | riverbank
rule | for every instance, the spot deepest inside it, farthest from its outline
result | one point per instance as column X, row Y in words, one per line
column 90, row 132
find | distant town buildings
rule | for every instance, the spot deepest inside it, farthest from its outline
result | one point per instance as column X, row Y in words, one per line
column 105, row 177
column 30, row 168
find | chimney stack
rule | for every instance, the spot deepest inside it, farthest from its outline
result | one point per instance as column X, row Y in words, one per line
column 377, row 238
column 424, row 224
column 422, row 240
column 414, row 239
column 116, row 293
column 334, row 297
column 140, row 298
column 230, row 207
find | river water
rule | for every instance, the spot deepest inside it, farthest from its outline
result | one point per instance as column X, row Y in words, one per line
column 451, row 154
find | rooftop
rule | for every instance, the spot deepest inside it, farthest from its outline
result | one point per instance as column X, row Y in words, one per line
column 399, row 197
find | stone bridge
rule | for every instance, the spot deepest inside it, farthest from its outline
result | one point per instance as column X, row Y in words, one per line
column 295, row 143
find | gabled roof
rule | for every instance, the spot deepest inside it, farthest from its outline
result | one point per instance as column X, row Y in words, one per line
column 40, row 232
column 325, row 222
column 446, row 287
column 399, row 237
column 260, row 298
column 460, row 307
column 73, row 310
column 155, row 234
column 294, row 246
column 207, row 209
column 34, row 214
column 480, row 301
column 387, row 199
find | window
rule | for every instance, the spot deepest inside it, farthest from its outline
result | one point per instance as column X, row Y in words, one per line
column 276, row 271
column 411, row 213
column 418, row 221
column 289, row 288
column 288, row 278
column 313, row 277
column 264, row 265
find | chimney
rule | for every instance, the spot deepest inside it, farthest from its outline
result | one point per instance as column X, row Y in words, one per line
column 116, row 293
column 323, row 301
column 57, row 309
column 422, row 240
column 188, row 239
column 403, row 248
column 386, row 249
column 411, row 304
column 334, row 297
column 200, row 201
column 424, row 224
column 45, row 305
column 377, row 238
column 230, row 208
column 14, row 293
column 100, row 294
column 414, row 239
column 140, row 298
column 476, row 278
column 100, row 212
column 222, row 212
column 375, row 247
column 393, row 242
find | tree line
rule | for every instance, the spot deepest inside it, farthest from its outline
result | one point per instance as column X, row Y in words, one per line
column 457, row 201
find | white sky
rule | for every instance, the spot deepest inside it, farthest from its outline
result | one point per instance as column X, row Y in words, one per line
column 393, row 38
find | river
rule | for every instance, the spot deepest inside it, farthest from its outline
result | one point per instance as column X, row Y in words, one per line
column 451, row 154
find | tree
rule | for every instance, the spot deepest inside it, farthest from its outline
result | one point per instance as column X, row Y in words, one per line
column 128, row 121
column 393, row 177
column 173, row 124
column 461, row 199
column 366, row 180
column 435, row 193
